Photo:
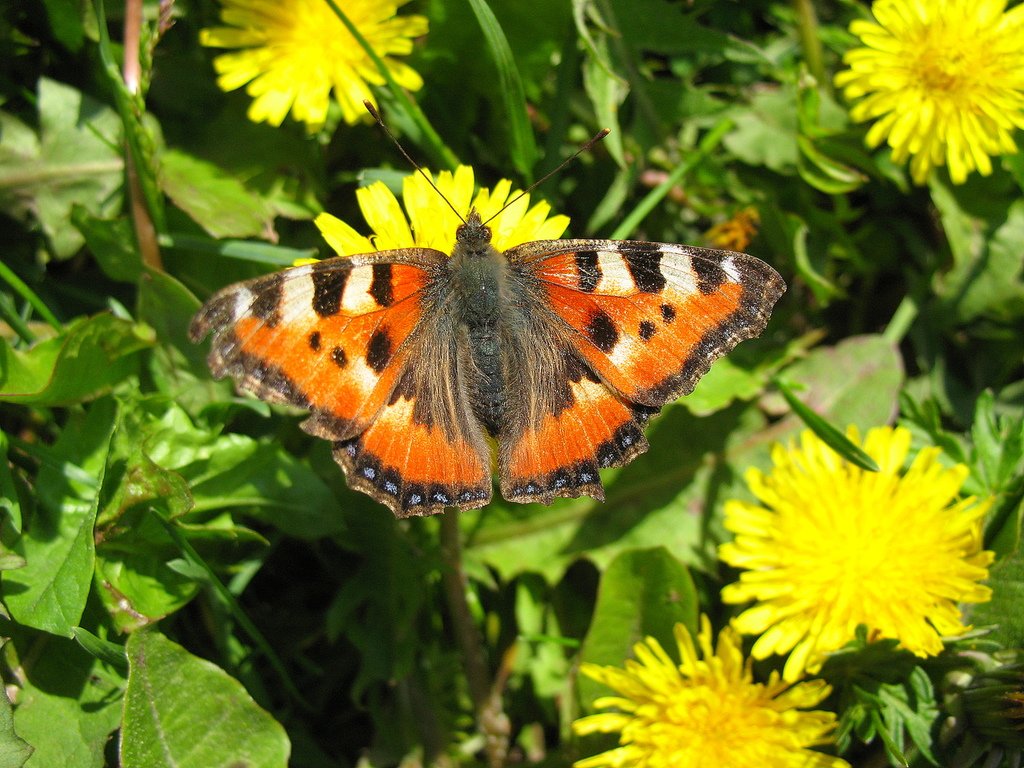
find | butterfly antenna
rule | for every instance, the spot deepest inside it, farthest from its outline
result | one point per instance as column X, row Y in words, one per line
column 376, row 116
column 584, row 148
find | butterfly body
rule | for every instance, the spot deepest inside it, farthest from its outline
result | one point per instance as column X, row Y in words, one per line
column 412, row 361
column 486, row 293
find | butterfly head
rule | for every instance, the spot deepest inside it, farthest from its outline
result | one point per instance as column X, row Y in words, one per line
column 473, row 235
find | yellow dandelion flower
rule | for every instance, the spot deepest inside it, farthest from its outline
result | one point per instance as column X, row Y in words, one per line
column 833, row 546
column 431, row 223
column 290, row 56
column 707, row 711
column 735, row 234
column 943, row 78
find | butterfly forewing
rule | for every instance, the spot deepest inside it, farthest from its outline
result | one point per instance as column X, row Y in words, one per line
column 650, row 318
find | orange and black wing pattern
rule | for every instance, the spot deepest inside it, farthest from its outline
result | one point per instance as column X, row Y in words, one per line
column 341, row 338
column 638, row 324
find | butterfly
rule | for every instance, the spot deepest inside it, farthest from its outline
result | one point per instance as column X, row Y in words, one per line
column 413, row 362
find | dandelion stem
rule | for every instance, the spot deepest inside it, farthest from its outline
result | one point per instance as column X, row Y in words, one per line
column 491, row 719
column 901, row 320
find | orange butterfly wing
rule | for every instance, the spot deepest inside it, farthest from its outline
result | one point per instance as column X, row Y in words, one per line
column 639, row 323
column 343, row 338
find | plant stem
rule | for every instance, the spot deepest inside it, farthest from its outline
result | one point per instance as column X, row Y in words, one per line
column 490, row 717
column 145, row 231
column 810, row 41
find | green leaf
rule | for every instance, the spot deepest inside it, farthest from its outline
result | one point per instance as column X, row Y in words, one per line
column 643, row 592
column 723, row 384
column 215, row 200
column 987, row 278
column 855, row 382
column 540, row 656
column 49, row 593
column 765, row 131
column 104, row 650
column 522, row 146
column 112, row 242
column 999, row 444
column 135, row 583
column 185, row 712
column 830, row 435
column 825, row 174
column 65, row 17
column 1002, row 613
column 824, row 290
column 606, row 91
column 14, row 750
column 68, row 703
column 86, row 361
column 74, row 160
column 273, row 485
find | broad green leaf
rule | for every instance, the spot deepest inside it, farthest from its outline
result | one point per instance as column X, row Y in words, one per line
column 68, row 703
column 133, row 579
column 855, row 382
column 178, row 366
column 643, row 592
column 49, row 593
column 216, row 201
column 234, row 471
column 988, row 273
column 14, row 750
column 65, row 17
column 765, row 131
column 725, row 383
column 186, row 712
column 86, row 361
column 112, row 242
column 269, row 482
column 74, row 160
column 539, row 655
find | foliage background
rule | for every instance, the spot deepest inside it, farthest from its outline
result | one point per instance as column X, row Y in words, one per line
column 171, row 547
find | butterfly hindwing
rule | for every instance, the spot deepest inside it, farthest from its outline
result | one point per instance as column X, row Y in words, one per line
column 556, row 449
column 424, row 451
